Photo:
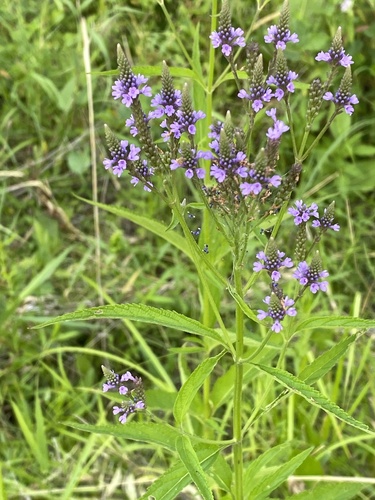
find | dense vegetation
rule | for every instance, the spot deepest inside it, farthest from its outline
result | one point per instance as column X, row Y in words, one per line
column 56, row 256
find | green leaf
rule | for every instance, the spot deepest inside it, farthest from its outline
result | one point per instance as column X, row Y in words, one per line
column 30, row 438
column 190, row 460
column 223, row 386
column 331, row 491
column 313, row 396
column 256, row 465
column 321, row 365
column 190, row 388
column 335, row 322
column 139, row 312
column 222, row 473
column 176, row 478
column 272, row 479
column 151, row 225
column 160, row 434
column 245, row 308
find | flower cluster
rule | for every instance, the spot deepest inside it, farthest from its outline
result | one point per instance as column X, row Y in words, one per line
column 127, row 385
column 308, row 275
column 336, row 55
column 279, row 35
column 239, row 172
column 302, row 213
column 227, row 37
column 277, row 310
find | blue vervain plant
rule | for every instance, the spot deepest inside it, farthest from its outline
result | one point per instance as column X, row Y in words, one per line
column 231, row 167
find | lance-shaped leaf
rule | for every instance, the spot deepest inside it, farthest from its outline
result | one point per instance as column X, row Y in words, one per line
column 313, row 396
column 190, row 388
column 142, row 313
column 190, row 459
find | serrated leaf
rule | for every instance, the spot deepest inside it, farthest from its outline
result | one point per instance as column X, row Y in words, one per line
column 313, row 396
column 151, row 225
column 142, row 313
column 176, row 478
column 331, row 491
column 335, row 322
column 190, row 388
column 160, row 434
column 190, row 460
column 276, row 477
column 321, row 365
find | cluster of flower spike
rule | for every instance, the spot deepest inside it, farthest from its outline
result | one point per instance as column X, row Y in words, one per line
column 129, row 386
column 308, row 276
column 237, row 175
column 236, row 181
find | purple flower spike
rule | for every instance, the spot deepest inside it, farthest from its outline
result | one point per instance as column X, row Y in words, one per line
column 257, row 95
column 326, row 221
column 189, row 161
column 283, row 83
column 342, row 100
column 335, row 59
column 166, row 104
column 121, row 156
column 277, row 310
column 310, row 276
column 302, row 212
column 130, row 88
column 336, row 55
column 228, row 165
column 186, row 123
column 127, row 385
column 280, row 37
column 228, row 39
column 274, row 133
column 272, row 263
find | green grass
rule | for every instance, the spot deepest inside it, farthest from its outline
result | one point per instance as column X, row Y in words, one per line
column 53, row 260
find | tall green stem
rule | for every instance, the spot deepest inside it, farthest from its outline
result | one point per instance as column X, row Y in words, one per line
column 238, row 381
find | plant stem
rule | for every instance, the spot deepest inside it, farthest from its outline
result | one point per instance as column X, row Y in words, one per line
column 237, row 403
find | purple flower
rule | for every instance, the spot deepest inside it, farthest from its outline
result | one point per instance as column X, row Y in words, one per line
column 279, row 37
column 272, row 263
column 310, row 276
column 129, row 88
column 257, row 95
column 143, row 173
column 342, row 100
column 185, row 123
column 126, row 409
column 133, row 391
column 327, row 220
column 302, row 212
column 121, row 156
column 189, row 162
column 274, row 133
column 227, row 38
column 283, row 83
column 214, row 134
column 277, row 310
column 166, row 103
column 260, row 181
column 335, row 57
column 130, row 123
column 228, row 164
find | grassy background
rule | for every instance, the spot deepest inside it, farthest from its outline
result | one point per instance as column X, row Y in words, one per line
column 49, row 259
